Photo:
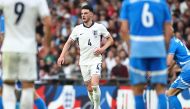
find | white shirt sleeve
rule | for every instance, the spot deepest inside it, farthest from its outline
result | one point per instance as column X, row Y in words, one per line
column 43, row 9
column 73, row 34
column 104, row 31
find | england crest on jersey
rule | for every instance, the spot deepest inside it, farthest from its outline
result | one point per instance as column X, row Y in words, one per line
column 95, row 33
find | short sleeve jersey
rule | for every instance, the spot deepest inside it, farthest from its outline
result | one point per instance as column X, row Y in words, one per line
column 180, row 51
column 20, row 21
column 89, row 38
column 146, row 20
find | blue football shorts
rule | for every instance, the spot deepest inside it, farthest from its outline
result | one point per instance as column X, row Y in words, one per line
column 183, row 80
column 156, row 68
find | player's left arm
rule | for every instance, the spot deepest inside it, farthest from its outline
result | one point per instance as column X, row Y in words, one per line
column 124, row 29
column 168, row 29
column 109, row 42
column 124, row 32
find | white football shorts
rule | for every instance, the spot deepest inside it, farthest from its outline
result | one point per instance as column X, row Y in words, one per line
column 88, row 70
column 19, row 66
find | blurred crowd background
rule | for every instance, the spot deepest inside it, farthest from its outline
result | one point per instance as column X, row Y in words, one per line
column 66, row 14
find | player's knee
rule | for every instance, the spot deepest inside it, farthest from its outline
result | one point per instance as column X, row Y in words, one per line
column 138, row 89
column 160, row 88
column 95, row 79
column 168, row 93
column 95, row 88
column 88, row 85
column 27, row 84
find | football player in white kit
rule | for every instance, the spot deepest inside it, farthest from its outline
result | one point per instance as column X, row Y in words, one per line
column 89, row 35
column 20, row 47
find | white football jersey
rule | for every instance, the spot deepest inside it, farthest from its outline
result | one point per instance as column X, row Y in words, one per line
column 20, row 22
column 89, row 39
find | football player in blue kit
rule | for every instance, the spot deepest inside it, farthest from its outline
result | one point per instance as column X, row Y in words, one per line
column 181, row 55
column 148, row 23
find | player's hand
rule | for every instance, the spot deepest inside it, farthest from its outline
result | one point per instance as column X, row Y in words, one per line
column 43, row 52
column 98, row 51
column 60, row 61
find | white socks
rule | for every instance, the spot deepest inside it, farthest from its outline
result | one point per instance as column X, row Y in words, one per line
column 90, row 95
column 96, row 96
column 27, row 98
column 9, row 97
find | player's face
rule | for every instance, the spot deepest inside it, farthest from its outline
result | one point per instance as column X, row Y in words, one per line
column 86, row 15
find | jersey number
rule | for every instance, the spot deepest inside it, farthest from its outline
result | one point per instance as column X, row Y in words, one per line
column 89, row 43
column 19, row 10
column 147, row 17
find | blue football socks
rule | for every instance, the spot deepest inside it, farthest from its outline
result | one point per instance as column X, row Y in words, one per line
column 139, row 103
column 162, row 101
column 174, row 103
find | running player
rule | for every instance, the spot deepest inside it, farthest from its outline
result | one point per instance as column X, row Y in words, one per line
column 181, row 55
column 89, row 35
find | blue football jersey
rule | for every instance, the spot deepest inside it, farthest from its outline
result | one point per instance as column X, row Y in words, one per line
column 180, row 51
column 2, row 24
column 146, row 20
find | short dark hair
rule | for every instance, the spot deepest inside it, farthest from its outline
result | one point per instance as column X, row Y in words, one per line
column 88, row 7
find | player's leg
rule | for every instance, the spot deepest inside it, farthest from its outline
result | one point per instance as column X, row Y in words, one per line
column 9, row 65
column 90, row 91
column 174, row 103
column 95, row 77
column 96, row 91
column 162, row 98
column 138, row 93
column 40, row 104
column 87, row 80
column 182, row 82
column 137, row 70
column 9, row 97
column 27, row 74
column 1, row 85
column 158, row 70
column 27, row 95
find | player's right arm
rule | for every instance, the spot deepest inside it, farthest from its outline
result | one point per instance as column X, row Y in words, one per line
column 66, row 47
column 70, row 41
column 171, row 53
